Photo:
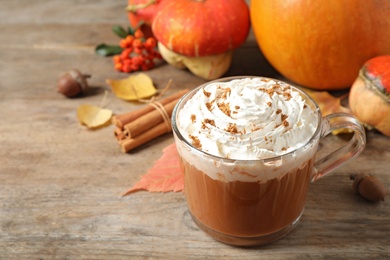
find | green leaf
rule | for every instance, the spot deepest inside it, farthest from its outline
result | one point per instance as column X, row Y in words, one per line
column 107, row 50
column 118, row 30
column 130, row 30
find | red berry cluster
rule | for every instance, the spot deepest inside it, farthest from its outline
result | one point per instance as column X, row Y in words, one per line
column 137, row 53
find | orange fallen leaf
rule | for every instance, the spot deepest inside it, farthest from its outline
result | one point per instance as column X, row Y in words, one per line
column 166, row 174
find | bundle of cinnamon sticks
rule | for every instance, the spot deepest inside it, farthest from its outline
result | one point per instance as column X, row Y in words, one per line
column 143, row 125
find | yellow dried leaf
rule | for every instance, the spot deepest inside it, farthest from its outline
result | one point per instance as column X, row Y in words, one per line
column 134, row 87
column 93, row 116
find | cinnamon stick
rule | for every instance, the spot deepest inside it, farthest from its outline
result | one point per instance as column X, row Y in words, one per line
column 119, row 134
column 123, row 119
column 131, row 143
column 149, row 120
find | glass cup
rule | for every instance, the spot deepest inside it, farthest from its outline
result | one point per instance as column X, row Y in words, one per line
column 256, row 213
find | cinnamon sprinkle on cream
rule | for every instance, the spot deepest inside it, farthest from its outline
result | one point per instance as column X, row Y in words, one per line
column 284, row 120
column 193, row 118
column 207, row 94
column 270, row 92
column 209, row 121
column 226, row 93
column 232, row 128
column 225, row 108
column 209, row 105
column 287, row 95
column 195, row 141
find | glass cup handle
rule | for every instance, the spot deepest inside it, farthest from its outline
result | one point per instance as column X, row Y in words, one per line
column 345, row 153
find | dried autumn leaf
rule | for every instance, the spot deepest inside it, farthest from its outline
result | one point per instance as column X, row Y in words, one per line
column 134, row 87
column 164, row 176
column 93, row 116
column 329, row 104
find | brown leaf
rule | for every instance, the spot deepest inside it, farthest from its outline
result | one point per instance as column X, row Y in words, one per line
column 166, row 174
column 328, row 103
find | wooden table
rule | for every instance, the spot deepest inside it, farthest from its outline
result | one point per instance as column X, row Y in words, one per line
column 60, row 184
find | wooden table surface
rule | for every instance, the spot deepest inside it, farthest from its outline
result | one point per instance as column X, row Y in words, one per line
column 60, row 183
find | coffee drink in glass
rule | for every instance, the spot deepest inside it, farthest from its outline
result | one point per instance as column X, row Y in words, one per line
column 248, row 152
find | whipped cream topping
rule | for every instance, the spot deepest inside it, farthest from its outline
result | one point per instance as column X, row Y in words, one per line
column 247, row 119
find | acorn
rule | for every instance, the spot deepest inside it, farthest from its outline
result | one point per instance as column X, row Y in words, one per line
column 72, row 83
column 369, row 187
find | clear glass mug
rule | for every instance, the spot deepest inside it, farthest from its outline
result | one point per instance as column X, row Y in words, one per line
column 256, row 213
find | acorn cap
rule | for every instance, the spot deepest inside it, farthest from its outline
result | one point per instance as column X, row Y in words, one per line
column 80, row 78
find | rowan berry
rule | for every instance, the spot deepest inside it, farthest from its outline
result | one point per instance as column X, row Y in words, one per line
column 137, row 53
column 138, row 34
column 138, row 50
column 137, row 43
column 123, row 44
column 127, row 68
column 134, row 67
column 116, row 59
column 150, row 42
column 126, row 53
column 147, row 65
column 118, row 66
column 129, row 39
column 138, row 60
column 127, row 62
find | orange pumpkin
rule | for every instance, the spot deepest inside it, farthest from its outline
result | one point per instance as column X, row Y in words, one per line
column 142, row 11
column 321, row 44
column 369, row 98
column 201, row 27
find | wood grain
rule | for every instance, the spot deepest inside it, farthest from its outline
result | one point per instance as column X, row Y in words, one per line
column 60, row 183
